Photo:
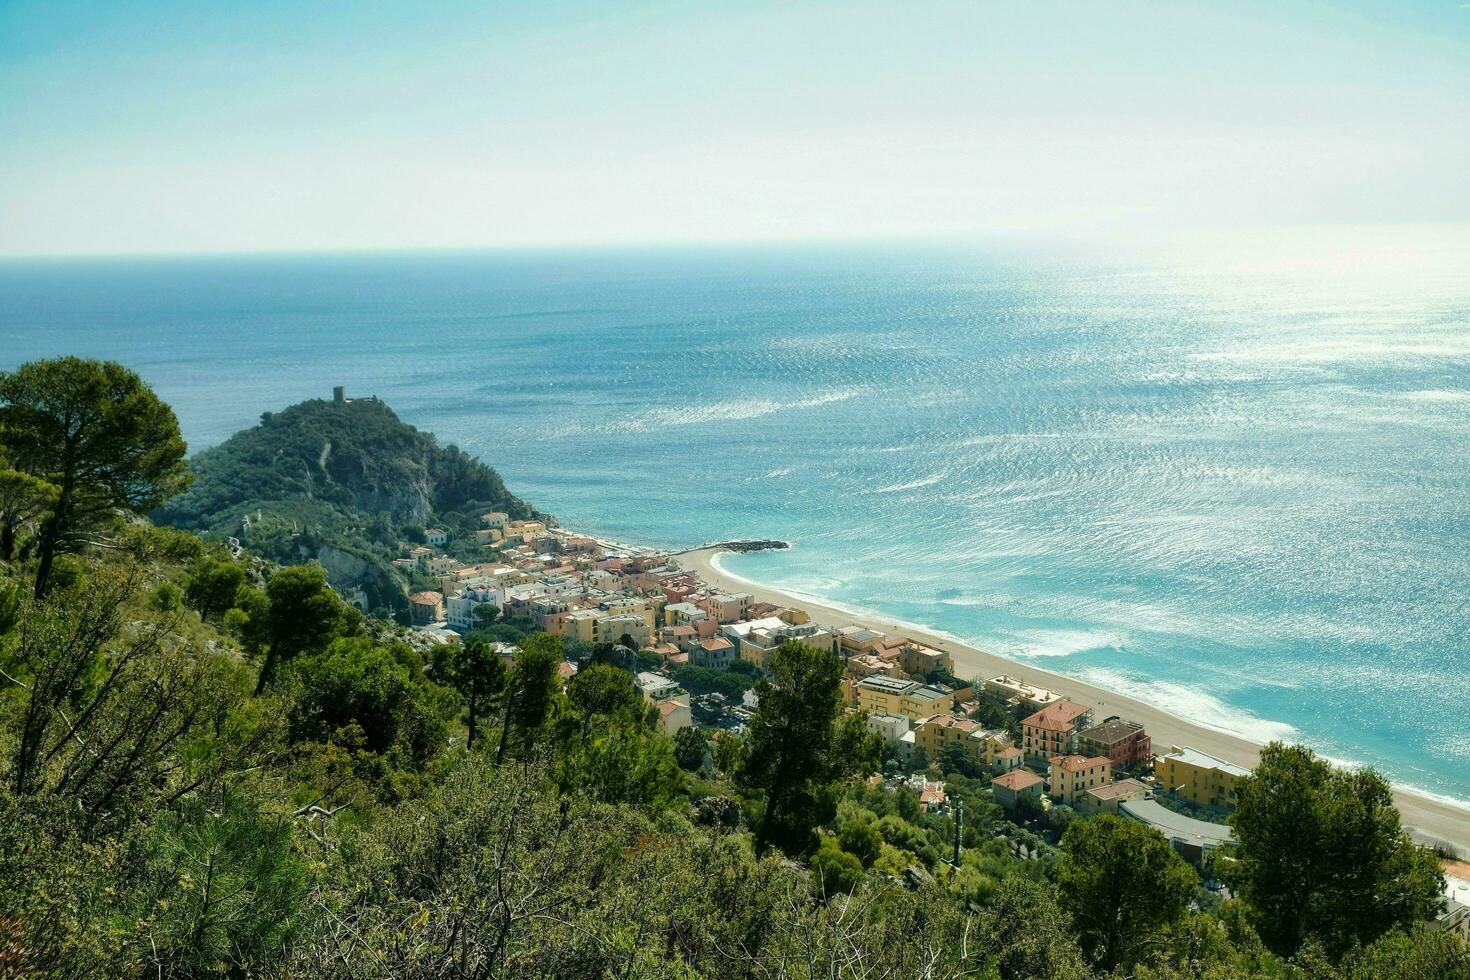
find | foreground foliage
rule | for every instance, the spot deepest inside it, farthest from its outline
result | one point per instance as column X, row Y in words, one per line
column 210, row 766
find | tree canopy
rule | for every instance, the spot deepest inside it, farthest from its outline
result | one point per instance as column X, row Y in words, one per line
column 1322, row 856
column 1123, row 885
column 795, row 751
column 100, row 436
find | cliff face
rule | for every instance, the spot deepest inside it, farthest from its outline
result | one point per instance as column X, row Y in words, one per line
column 337, row 481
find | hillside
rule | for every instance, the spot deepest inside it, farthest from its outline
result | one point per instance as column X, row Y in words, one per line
column 345, row 482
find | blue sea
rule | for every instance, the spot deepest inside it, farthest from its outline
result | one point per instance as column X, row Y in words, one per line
column 1231, row 477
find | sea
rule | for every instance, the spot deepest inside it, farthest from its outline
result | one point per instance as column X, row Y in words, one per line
column 1227, row 474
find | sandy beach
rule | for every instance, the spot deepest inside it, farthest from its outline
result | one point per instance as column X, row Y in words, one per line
column 1428, row 819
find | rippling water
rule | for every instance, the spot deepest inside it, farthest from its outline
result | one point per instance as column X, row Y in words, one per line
column 1234, row 481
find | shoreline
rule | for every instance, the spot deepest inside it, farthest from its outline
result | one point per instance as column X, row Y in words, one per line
column 1428, row 818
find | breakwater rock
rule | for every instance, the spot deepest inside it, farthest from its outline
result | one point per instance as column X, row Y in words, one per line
column 761, row 545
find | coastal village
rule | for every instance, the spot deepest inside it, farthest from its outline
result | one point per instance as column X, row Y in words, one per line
column 1038, row 750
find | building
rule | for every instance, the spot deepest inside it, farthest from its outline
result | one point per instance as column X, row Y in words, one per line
column 920, row 660
column 933, row 734
column 1456, row 915
column 1105, row 799
column 1007, row 759
column 426, row 608
column 438, row 565
column 854, row 641
column 758, row 644
column 715, row 653
column 989, row 743
column 730, row 608
column 673, row 715
column 612, row 628
column 459, row 608
column 1017, row 693
column 1053, row 730
column 1190, row 774
column 436, row 537
column 1190, row 837
column 1014, row 786
column 683, row 613
column 1125, row 743
column 657, row 687
column 1073, row 775
column 891, row 727
column 880, row 695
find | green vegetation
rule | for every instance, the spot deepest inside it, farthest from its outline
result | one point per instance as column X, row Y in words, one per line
column 1322, row 858
column 703, row 680
column 347, row 483
column 209, row 766
column 99, row 442
column 1124, row 886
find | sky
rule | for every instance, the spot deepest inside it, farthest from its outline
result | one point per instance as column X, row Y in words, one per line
column 181, row 127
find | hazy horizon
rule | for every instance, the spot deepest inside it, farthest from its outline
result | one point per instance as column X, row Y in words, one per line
column 281, row 128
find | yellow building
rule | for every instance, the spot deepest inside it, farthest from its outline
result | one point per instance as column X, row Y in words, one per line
column 1071, row 776
column 758, row 644
column 881, row 695
column 935, row 733
column 1196, row 776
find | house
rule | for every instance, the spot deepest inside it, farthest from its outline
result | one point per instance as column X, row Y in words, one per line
column 1012, row 787
column 1073, row 775
column 1017, row 693
column 674, row 715
column 657, row 687
column 436, row 537
column 1007, row 759
column 881, row 695
column 426, row 607
column 715, row 653
column 439, row 564
column 1105, row 798
column 1199, row 777
column 419, row 554
column 494, row 520
column 891, row 727
column 932, row 798
column 1052, row 730
column 1125, row 743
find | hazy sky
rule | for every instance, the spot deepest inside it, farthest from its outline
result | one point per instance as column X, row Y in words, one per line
column 182, row 126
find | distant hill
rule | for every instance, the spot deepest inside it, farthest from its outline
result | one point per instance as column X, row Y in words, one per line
column 346, row 482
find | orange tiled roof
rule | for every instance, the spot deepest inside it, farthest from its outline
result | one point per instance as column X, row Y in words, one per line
column 1057, row 716
column 1077, row 763
column 1017, row 780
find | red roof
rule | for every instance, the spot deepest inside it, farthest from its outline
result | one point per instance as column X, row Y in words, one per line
column 1059, row 716
column 1017, row 780
column 1077, row 763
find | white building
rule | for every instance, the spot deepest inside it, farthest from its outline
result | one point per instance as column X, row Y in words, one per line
column 656, row 687
column 891, row 727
